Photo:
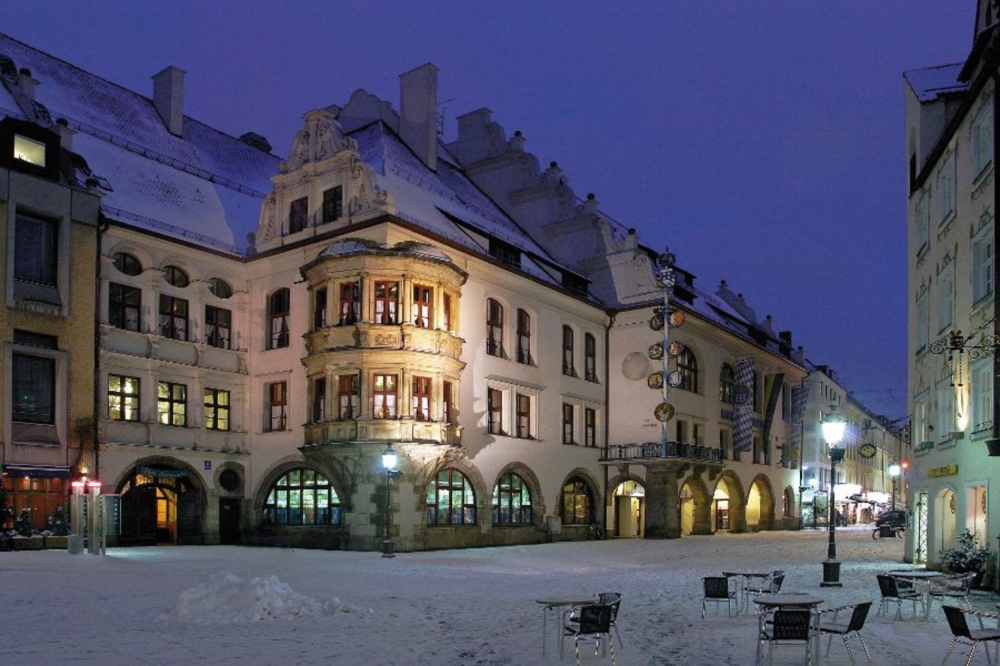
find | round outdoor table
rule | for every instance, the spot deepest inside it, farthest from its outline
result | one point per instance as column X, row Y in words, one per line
column 794, row 601
column 553, row 605
column 923, row 577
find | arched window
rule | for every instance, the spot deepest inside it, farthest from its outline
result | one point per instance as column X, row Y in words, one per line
column 176, row 276
column 127, row 263
column 727, row 384
column 577, row 503
column 302, row 497
column 450, row 499
column 278, row 307
column 220, row 288
column 567, row 350
column 523, row 337
column 589, row 358
column 511, row 501
column 687, row 365
column 494, row 328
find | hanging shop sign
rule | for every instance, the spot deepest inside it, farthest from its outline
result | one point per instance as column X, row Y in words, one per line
column 664, row 412
column 944, row 470
column 656, row 351
column 867, row 450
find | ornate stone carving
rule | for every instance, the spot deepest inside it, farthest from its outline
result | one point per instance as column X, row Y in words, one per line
column 320, row 139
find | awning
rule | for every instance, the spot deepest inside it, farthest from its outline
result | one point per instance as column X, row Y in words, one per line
column 37, row 471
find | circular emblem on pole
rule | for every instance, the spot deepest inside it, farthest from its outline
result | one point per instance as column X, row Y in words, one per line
column 675, row 349
column 656, row 351
column 676, row 319
column 674, row 379
column 656, row 322
column 664, row 412
column 867, row 450
column 655, row 380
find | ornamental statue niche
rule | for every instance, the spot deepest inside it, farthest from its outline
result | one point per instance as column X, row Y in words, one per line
column 320, row 139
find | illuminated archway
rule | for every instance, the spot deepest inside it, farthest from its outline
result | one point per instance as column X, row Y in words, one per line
column 628, row 509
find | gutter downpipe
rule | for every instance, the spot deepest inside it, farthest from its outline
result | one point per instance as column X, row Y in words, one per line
column 607, row 410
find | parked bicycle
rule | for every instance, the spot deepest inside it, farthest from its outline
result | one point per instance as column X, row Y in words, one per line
column 595, row 532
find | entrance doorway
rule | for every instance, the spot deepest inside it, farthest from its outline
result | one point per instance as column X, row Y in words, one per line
column 628, row 509
column 722, row 515
column 229, row 520
column 160, row 504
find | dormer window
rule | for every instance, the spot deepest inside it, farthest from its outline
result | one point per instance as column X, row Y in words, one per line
column 29, row 150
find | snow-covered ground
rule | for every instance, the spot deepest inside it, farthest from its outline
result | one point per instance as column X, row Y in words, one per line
column 250, row 606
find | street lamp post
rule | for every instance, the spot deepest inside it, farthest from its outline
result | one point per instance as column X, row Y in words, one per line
column 833, row 426
column 814, row 484
column 894, row 473
column 389, row 460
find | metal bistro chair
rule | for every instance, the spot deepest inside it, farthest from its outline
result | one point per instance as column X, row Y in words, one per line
column 950, row 587
column 770, row 585
column 859, row 613
column 613, row 599
column 962, row 634
column 785, row 626
column 593, row 623
column 718, row 590
column 892, row 592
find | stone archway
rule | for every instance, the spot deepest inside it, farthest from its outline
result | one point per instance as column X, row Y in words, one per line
column 626, row 518
column 760, row 505
column 163, row 500
column 695, row 508
column 728, row 506
column 945, row 520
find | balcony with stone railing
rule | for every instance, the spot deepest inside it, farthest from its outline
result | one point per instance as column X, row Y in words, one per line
column 660, row 451
column 382, row 430
column 374, row 336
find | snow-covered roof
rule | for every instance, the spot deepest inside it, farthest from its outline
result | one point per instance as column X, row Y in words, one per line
column 204, row 186
column 930, row 83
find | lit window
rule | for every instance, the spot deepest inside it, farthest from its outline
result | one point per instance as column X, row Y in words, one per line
column 350, row 302
column 123, row 398
column 423, row 306
column 511, row 501
column 216, row 409
column 450, row 499
column 349, row 395
column 171, row 403
column 302, row 497
column 386, row 301
column 422, row 398
column 29, row 150
column 384, row 397
column 577, row 503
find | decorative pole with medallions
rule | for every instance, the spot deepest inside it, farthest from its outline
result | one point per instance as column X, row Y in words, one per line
column 663, row 318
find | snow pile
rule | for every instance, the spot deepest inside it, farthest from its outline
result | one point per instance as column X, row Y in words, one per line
column 228, row 599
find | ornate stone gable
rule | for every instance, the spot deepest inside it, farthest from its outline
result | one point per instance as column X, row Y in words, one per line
column 319, row 140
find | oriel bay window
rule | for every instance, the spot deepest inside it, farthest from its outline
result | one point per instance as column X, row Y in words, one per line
column 216, row 409
column 422, row 398
column 319, row 400
column 386, row 302
column 384, row 396
column 423, row 306
column 450, row 499
column 350, row 303
column 124, row 304
column 123, row 398
column 446, row 408
column 446, row 305
column 171, row 403
column 348, row 396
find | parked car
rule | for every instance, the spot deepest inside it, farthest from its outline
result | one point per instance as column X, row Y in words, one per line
column 891, row 518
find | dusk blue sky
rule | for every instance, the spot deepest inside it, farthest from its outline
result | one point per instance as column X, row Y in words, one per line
column 762, row 141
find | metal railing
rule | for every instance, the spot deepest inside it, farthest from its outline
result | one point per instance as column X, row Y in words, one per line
column 661, row 451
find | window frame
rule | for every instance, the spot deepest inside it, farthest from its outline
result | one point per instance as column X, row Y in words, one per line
column 277, row 406
column 218, row 411
column 303, row 482
column 494, row 327
column 454, row 513
column 512, row 501
column 421, row 398
column 333, row 204
column 577, row 504
column 523, row 416
column 120, row 309
column 279, row 308
column 348, row 396
column 218, row 327
column 687, row 366
column 350, row 303
column 171, row 410
column 127, row 403
column 494, row 411
column 298, row 215
column 319, row 308
column 173, row 317
column 25, row 382
column 386, row 302
column 385, row 396
column 524, row 337
column 590, row 357
column 568, row 423
column 568, row 351
column 590, row 427
column 423, row 306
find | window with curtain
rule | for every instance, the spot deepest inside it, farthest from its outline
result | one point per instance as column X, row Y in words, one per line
column 494, row 328
column 278, row 311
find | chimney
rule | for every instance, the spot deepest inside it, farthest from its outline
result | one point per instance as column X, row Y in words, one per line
column 26, row 83
column 418, row 112
column 168, row 98
column 65, row 133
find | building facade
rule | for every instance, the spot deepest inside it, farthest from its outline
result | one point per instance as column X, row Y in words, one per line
column 951, row 140
column 267, row 328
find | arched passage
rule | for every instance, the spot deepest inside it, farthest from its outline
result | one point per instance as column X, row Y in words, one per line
column 627, row 510
column 728, row 508
column 760, row 505
column 695, row 507
column 162, row 501
column 945, row 515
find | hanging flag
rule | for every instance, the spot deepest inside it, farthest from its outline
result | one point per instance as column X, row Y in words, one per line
column 800, row 394
column 743, row 417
